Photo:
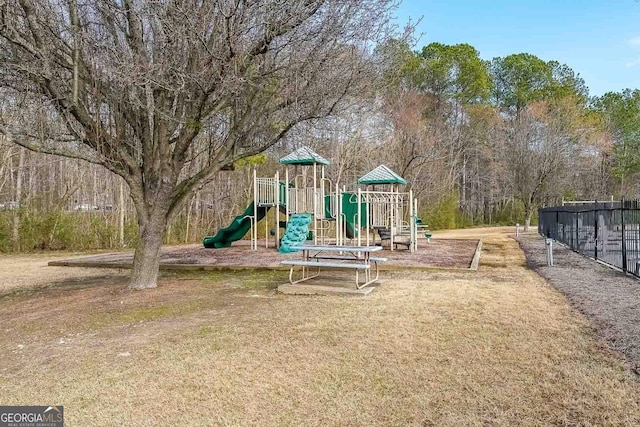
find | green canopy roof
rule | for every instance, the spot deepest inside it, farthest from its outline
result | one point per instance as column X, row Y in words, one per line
column 304, row 156
column 382, row 175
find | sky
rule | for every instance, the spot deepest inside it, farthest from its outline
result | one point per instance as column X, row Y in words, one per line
column 600, row 39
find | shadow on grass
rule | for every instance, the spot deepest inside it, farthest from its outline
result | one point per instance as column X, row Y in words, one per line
column 240, row 279
column 67, row 285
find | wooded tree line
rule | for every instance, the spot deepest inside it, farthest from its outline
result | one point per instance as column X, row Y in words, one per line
column 160, row 104
column 510, row 134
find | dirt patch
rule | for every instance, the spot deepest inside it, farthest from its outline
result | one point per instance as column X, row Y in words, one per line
column 607, row 297
column 32, row 271
column 440, row 253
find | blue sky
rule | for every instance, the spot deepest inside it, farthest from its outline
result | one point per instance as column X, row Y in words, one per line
column 599, row 39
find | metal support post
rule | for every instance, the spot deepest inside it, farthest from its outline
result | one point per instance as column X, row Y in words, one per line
column 278, row 201
column 357, row 225
column 255, row 210
column 624, row 237
column 595, row 232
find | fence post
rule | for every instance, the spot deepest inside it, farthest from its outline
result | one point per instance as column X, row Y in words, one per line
column 624, row 241
column 575, row 248
column 595, row 235
column 549, row 251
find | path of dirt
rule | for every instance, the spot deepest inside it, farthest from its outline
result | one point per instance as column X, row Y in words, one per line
column 607, row 297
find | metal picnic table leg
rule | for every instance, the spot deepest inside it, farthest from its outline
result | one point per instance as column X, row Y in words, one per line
column 306, row 275
column 367, row 261
column 305, row 257
column 367, row 274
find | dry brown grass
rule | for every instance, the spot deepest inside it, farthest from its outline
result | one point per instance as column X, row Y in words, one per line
column 498, row 347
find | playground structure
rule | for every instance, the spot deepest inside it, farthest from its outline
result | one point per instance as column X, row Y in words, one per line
column 308, row 206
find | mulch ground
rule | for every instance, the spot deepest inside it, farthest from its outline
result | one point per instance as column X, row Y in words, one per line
column 442, row 253
column 607, row 297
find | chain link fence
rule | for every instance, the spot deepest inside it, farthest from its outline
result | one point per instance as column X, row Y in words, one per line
column 608, row 232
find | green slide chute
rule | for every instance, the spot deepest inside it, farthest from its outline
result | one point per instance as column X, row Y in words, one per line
column 350, row 210
column 296, row 233
column 236, row 230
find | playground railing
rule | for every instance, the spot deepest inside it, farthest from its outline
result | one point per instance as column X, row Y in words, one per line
column 309, row 199
column 333, row 205
column 266, row 191
column 293, row 200
column 319, row 205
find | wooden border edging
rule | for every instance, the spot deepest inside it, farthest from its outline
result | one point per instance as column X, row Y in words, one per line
column 166, row 267
column 476, row 256
column 200, row 267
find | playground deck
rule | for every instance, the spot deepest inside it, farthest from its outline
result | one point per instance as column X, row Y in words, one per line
column 440, row 253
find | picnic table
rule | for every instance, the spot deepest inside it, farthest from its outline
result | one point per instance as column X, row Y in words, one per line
column 357, row 258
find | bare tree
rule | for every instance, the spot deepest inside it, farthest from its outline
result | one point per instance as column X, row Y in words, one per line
column 132, row 85
column 17, row 198
column 541, row 143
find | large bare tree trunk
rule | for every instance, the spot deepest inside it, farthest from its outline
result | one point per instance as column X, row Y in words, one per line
column 146, row 260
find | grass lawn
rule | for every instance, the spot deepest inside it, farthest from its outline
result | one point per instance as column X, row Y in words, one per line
column 495, row 347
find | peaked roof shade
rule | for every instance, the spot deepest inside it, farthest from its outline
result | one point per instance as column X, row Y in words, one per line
column 381, row 175
column 304, row 156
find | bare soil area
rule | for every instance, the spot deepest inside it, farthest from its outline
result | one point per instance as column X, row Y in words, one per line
column 497, row 347
column 20, row 272
column 607, row 297
column 440, row 253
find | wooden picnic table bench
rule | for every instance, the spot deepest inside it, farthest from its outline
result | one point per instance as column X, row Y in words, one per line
column 355, row 258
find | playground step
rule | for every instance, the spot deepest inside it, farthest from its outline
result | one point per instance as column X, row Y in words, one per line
column 384, row 233
column 406, row 244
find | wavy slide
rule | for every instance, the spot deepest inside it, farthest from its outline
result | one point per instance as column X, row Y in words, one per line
column 236, row 230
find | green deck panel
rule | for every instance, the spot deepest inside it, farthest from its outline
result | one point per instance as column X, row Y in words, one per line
column 327, row 207
column 240, row 225
column 283, row 193
column 350, row 210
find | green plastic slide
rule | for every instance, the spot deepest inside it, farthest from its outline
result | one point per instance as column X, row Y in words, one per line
column 236, row 230
column 296, row 233
column 350, row 210
column 327, row 208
